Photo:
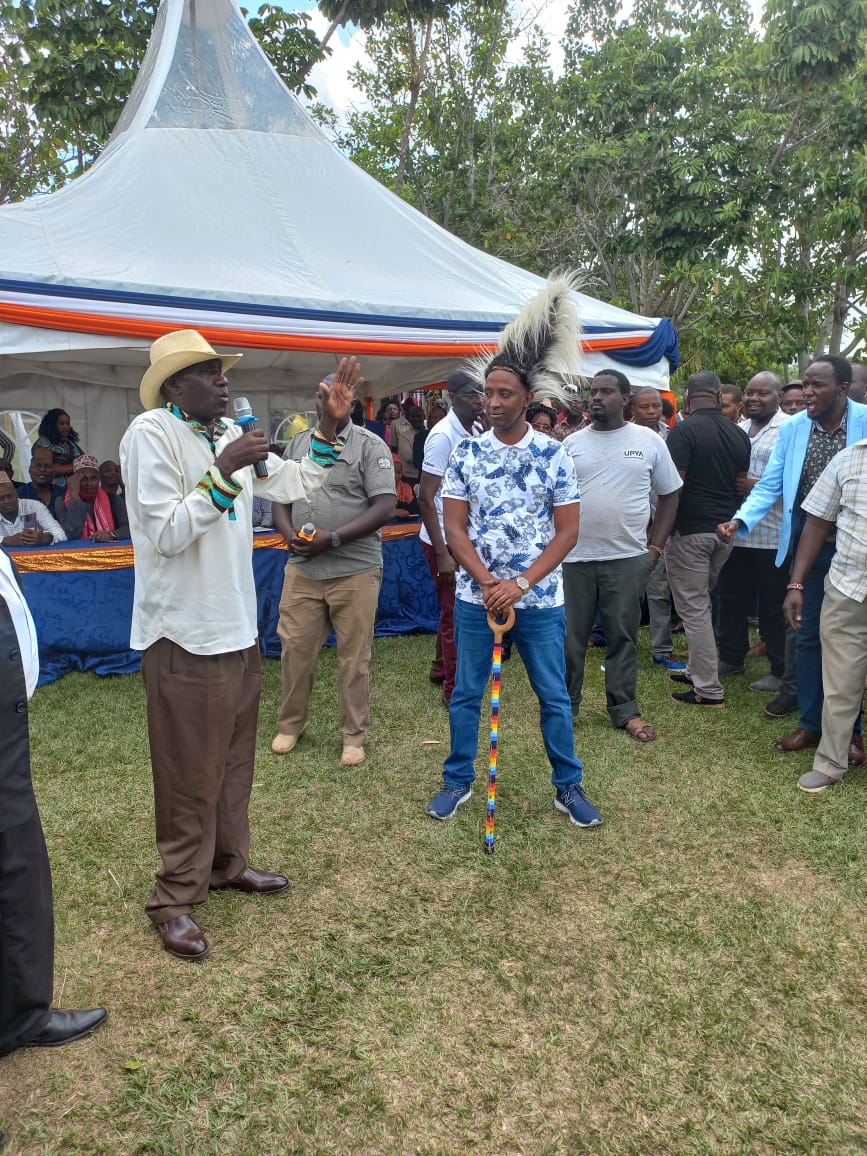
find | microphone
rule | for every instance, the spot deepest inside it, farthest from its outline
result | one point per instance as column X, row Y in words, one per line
column 244, row 418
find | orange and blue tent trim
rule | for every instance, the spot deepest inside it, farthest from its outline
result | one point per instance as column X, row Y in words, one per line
column 146, row 316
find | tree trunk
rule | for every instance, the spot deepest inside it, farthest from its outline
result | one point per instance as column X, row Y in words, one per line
column 335, row 23
column 803, row 302
column 419, row 66
column 796, row 120
column 840, row 310
column 329, row 32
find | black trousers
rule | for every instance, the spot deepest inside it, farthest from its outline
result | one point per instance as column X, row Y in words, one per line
column 26, row 911
column 26, row 934
column 747, row 576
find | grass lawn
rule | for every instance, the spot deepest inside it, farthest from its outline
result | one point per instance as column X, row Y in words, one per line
column 690, row 978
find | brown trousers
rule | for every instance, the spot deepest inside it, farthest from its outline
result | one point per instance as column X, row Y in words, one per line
column 202, row 715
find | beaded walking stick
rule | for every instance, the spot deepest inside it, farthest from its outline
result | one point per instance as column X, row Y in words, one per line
column 499, row 629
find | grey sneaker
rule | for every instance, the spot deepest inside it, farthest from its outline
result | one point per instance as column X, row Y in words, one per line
column 814, row 782
column 770, row 684
column 727, row 668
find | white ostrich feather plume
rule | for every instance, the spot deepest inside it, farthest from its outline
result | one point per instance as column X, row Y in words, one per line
column 543, row 344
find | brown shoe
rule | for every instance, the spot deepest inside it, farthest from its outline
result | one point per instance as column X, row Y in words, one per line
column 183, row 938
column 856, row 751
column 253, row 882
column 799, row 740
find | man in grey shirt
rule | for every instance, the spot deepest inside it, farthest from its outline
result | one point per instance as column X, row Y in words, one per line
column 619, row 467
column 332, row 581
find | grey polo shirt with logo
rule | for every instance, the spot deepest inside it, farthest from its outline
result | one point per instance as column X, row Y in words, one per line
column 364, row 470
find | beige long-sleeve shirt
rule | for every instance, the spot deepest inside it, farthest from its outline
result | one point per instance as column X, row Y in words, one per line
column 193, row 564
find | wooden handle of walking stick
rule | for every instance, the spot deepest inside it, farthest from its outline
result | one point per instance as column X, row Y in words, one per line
column 500, row 628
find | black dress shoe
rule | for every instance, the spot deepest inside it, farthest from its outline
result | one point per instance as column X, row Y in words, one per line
column 65, row 1026
column 253, row 882
column 782, row 705
column 183, row 938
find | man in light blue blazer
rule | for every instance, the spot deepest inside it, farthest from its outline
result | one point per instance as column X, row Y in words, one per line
column 807, row 442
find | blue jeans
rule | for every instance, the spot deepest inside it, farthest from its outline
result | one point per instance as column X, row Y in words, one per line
column 808, row 645
column 539, row 636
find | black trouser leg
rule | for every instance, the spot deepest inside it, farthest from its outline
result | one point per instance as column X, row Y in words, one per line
column 737, row 586
column 772, row 582
column 26, row 934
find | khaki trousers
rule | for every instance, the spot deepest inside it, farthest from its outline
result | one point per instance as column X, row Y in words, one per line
column 693, row 562
column 843, row 633
column 309, row 609
column 202, row 715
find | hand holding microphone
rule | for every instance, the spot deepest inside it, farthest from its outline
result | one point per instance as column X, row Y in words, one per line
column 307, row 542
column 247, row 450
column 248, row 423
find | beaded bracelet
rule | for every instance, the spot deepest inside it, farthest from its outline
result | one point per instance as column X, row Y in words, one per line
column 795, row 586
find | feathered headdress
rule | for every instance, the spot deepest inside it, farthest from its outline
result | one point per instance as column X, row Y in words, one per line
column 542, row 346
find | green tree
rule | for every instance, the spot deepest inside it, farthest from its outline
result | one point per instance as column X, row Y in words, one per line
column 28, row 156
column 442, row 164
column 695, row 169
column 402, row 39
column 78, row 64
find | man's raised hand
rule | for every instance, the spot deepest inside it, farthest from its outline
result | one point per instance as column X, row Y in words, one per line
column 338, row 397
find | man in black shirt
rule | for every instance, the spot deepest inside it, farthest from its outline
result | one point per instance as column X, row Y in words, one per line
column 710, row 452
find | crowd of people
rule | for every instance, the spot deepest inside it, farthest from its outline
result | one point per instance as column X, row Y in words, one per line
column 566, row 522
column 71, row 496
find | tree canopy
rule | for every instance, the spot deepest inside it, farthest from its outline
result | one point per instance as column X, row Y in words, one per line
column 696, row 168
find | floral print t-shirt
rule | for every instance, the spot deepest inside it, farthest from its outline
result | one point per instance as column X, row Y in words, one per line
column 511, row 492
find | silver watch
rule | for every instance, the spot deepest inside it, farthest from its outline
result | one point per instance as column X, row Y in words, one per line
column 523, row 584
column 335, row 539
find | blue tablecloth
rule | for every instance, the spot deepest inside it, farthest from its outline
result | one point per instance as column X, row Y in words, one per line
column 83, row 615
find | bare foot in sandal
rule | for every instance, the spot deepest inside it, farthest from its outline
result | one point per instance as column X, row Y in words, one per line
column 640, row 730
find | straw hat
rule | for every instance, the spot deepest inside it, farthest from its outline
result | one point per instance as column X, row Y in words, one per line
column 173, row 352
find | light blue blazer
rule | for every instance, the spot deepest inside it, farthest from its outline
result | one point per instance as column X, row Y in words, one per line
column 783, row 472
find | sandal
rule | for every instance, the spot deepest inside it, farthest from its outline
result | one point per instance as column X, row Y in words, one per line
column 643, row 733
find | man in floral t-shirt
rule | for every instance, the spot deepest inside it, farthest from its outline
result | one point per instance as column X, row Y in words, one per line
column 510, row 509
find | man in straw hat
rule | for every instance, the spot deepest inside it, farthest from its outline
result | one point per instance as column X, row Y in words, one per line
column 189, row 491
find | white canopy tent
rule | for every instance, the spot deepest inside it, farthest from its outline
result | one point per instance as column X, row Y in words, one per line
column 219, row 205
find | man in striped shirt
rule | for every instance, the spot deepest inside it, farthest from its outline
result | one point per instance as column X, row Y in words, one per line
column 838, row 497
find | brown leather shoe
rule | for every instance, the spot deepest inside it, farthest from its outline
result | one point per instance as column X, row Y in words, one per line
column 182, row 937
column 799, row 740
column 254, row 882
column 856, row 751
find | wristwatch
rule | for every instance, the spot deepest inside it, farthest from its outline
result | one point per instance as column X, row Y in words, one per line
column 523, row 584
column 335, row 539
